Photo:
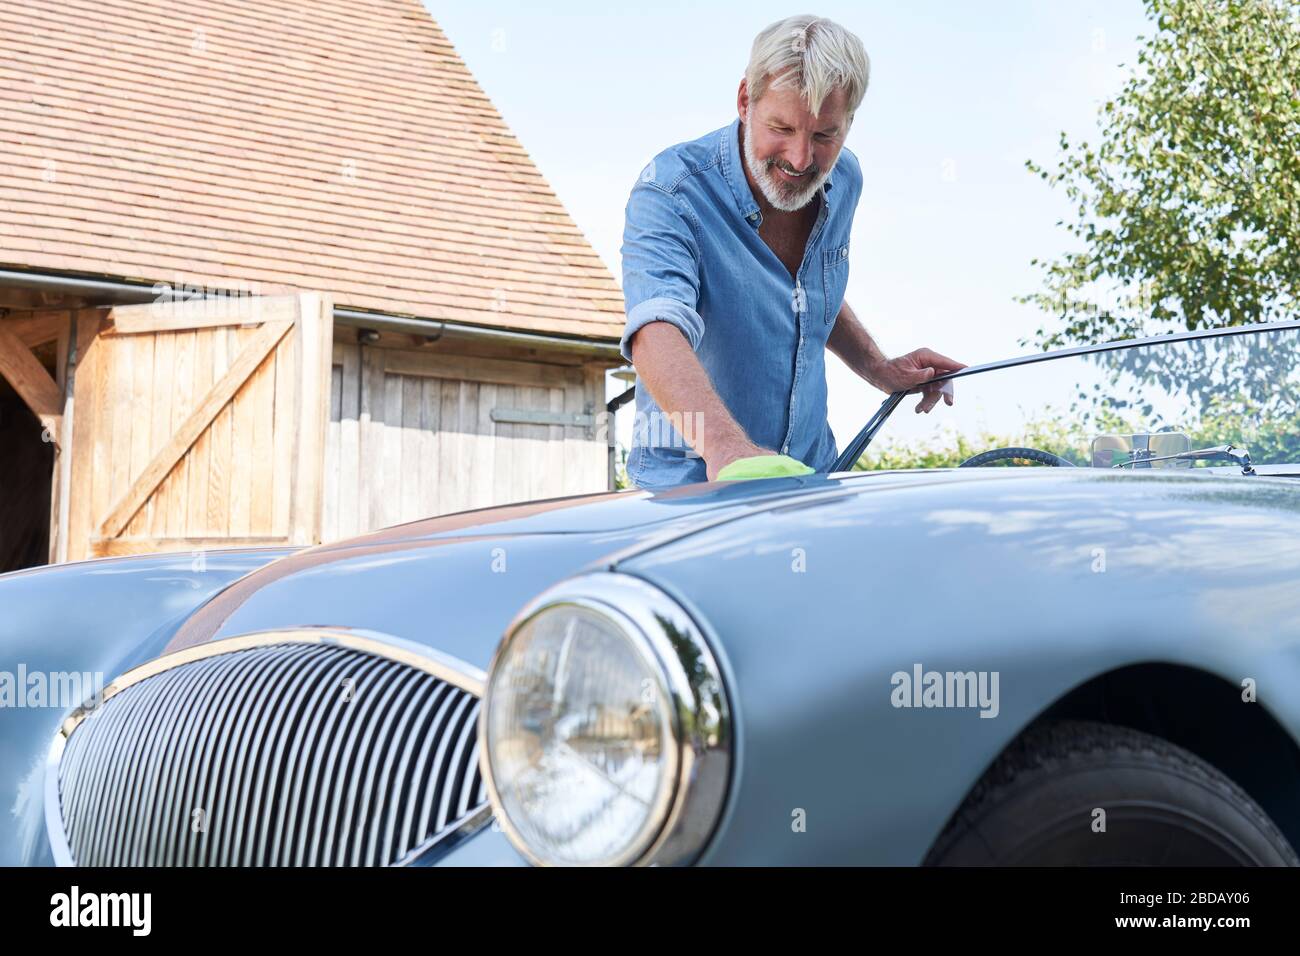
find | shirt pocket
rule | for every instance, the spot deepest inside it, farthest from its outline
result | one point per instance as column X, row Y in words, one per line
column 835, row 278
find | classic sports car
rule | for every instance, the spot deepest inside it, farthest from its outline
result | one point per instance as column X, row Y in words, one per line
column 1092, row 659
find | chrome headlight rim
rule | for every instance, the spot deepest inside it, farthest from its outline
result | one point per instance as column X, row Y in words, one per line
column 699, row 748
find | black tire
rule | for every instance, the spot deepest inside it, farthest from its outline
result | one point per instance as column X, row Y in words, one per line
column 1163, row 806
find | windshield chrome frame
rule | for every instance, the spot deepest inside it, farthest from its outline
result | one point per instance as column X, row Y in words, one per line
column 853, row 451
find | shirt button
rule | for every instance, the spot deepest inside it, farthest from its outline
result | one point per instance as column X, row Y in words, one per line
column 844, row 253
column 785, row 448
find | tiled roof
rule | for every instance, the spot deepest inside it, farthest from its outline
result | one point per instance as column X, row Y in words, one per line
column 333, row 145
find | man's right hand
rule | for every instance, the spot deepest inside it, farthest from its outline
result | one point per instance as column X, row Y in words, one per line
column 724, row 456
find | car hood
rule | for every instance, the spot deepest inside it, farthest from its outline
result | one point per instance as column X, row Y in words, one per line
column 453, row 582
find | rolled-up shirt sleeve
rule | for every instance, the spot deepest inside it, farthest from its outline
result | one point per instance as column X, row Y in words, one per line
column 661, row 272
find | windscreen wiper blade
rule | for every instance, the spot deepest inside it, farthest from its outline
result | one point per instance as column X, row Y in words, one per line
column 1231, row 453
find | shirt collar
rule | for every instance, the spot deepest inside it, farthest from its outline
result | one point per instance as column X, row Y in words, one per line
column 734, row 171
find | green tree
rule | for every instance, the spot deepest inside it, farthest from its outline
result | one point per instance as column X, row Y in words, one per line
column 1187, row 211
column 621, row 481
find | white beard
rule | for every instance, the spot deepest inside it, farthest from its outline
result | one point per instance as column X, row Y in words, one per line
column 785, row 196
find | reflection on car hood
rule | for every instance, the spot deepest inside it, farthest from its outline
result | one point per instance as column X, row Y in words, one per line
column 449, row 581
column 346, row 582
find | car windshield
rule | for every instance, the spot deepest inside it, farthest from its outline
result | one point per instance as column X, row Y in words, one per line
column 1161, row 403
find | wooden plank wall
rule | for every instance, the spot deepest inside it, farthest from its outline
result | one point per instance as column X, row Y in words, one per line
column 410, row 435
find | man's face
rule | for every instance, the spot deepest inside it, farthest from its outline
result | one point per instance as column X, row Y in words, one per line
column 789, row 151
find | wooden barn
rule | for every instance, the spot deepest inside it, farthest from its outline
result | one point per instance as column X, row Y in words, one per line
column 276, row 271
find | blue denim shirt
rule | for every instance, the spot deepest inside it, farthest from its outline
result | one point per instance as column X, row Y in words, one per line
column 692, row 257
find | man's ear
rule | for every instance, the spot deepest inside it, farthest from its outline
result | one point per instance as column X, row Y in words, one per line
column 742, row 101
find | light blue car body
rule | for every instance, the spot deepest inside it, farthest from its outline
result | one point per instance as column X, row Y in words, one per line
column 813, row 593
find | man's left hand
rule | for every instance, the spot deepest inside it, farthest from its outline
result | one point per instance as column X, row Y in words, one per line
column 910, row 373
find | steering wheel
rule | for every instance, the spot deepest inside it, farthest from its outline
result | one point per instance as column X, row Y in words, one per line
column 1029, row 454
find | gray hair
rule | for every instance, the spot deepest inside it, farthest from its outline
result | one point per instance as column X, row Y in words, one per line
column 813, row 52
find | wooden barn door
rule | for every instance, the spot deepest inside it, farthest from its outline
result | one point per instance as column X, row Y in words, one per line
column 199, row 425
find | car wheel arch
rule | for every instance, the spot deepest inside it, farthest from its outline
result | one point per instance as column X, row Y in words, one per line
column 1194, row 709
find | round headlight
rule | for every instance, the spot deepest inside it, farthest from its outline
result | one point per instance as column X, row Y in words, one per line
column 604, row 728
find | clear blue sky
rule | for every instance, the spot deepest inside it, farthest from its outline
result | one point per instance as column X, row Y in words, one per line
column 961, row 95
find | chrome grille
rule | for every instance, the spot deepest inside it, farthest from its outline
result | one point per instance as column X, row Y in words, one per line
column 287, row 754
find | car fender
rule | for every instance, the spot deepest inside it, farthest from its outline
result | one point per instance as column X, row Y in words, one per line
column 1046, row 578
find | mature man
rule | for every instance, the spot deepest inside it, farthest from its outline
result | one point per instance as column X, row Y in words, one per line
column 734, row 272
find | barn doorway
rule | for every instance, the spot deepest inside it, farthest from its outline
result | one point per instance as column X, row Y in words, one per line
column 26, row 475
